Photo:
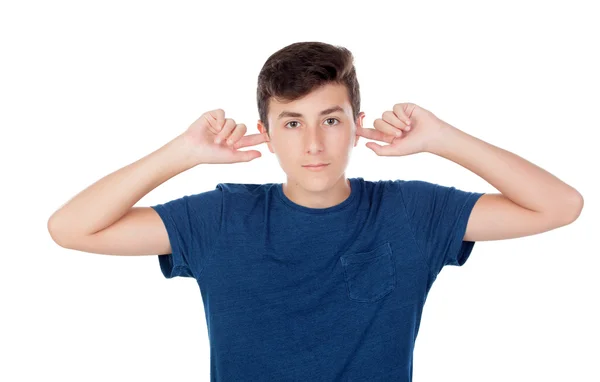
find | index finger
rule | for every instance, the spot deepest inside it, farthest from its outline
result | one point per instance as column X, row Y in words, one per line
column 251, row 140
column 374, row 134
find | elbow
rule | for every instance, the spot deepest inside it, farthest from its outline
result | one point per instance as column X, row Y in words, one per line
column 572, row 208
column 54, row 233
column 578, row 205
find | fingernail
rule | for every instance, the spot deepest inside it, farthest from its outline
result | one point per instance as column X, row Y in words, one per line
column 399, row 133
column 217, row 140
column 229, row 142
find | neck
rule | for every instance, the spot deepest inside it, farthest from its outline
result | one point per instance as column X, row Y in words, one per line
column 318, row 198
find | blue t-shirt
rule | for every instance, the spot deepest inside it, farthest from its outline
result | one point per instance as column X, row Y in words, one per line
column 293, row 293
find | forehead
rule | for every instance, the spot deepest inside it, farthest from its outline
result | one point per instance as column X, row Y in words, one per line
column 324, row 97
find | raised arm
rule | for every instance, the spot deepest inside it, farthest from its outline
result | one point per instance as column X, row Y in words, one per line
column 102, row 219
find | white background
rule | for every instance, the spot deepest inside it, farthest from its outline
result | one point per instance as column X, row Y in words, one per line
column 89, row 87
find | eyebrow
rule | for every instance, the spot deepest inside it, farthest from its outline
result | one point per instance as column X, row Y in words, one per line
column 284, row 113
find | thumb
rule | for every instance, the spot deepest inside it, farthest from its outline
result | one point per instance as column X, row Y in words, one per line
column 247, row 156
column 381, row 150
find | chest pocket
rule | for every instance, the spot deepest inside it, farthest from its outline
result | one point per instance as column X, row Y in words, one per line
column 370, row 275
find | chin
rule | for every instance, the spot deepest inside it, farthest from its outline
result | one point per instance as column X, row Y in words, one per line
column 316, row 182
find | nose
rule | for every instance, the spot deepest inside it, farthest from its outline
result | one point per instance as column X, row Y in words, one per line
column 313, row 139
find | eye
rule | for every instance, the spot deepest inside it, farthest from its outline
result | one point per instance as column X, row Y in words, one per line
column 290, row 122
column 328, row 119
column 335, row 119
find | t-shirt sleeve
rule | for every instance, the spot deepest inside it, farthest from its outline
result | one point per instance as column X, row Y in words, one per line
column 438, row 216
column 193, row 223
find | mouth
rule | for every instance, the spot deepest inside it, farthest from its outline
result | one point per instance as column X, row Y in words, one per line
column 316, row 165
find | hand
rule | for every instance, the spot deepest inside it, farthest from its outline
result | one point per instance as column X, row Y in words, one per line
column 215, row 139
column 408, row 129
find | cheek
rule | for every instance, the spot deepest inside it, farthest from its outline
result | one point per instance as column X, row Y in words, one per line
column 336, row 141
column 284, row 149
column 281, row 145
column 341, row 141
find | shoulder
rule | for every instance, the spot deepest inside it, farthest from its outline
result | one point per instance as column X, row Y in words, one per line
column 251, row 189
column 402, row 187
column 243, row 195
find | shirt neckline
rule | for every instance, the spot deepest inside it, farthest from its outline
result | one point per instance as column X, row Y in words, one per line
column 354, row 191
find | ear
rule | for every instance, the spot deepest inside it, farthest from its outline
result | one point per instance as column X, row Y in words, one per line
column 262, row 129
column 359, row 124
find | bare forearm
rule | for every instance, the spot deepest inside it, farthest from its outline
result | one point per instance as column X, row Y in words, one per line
column 519, row 180
column 106, row 201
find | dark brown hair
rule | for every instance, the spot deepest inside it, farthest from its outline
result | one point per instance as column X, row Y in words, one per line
column 297, row 69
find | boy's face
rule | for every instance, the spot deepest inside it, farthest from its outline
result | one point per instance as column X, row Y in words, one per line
column 312, row 137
